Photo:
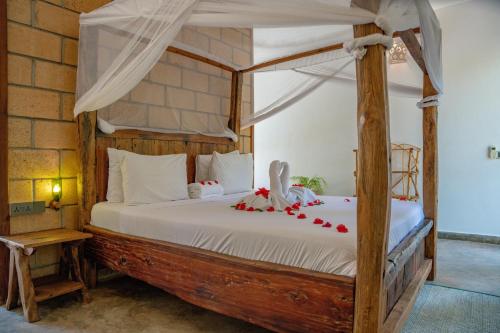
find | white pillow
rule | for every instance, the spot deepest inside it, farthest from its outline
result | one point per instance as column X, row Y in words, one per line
column 233, row 171
column 203, row 166
column 115, row 186
column 150, row 179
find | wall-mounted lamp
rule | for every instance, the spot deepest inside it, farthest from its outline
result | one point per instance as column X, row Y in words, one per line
column 56, row 194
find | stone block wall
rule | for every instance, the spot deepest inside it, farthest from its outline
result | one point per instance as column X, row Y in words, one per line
column 183, row 94
column 43, row 53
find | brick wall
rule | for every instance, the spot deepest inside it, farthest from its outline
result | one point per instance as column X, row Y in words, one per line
column 42, row 45
column 180, row 93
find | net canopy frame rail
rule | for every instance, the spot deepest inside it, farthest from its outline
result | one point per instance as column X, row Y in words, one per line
column 371, row 302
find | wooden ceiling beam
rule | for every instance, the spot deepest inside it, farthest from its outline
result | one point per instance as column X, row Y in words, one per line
column 408, row 37
column 201, row 58
column 300, row 55
column 309, row 53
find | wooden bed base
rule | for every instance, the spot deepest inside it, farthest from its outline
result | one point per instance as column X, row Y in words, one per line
column 277, row 297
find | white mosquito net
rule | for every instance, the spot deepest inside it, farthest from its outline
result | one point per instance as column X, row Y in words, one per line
column 125, row 73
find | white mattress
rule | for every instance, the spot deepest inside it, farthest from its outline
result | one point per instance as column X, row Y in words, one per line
column 213, row 225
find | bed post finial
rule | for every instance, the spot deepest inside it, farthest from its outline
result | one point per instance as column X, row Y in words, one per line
column 430, row 172
column 373, row 185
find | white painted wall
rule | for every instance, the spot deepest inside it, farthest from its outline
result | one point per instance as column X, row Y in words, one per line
column 317, row 134
column 469, row 120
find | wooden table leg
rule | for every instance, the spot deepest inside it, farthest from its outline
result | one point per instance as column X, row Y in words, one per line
column 64, row 263
column 13, row 290
column 76, row 271
column 26, row 289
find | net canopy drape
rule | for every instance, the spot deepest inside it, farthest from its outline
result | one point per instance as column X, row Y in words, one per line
column 120, row 44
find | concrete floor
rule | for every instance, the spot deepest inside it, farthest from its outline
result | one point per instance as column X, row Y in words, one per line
column 127, row 305
column 469, row 265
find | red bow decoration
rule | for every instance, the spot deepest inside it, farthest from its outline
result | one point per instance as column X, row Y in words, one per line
column 301, row 216
column 318, row 221
column 263, row 192
column 327, row 225
column 270, row 209
column 342, row 228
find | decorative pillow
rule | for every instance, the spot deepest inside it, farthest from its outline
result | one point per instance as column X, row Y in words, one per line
column 203, row 166
column 150, row 179
column 233, row 171
column 115, row 186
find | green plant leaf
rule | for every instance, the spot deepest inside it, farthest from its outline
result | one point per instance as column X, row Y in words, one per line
column 316, row 184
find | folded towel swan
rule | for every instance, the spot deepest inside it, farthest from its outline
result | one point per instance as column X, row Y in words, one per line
column 280, row 196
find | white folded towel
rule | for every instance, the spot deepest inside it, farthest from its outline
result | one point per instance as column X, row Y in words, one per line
column 265, row 199
column 301, row 194
column 205, row 189
column 295, row 194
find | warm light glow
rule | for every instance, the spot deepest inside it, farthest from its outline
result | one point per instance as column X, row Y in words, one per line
column 397, row 54
column 56, row 189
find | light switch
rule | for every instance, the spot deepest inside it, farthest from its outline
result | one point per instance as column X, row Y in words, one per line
column 493, row 153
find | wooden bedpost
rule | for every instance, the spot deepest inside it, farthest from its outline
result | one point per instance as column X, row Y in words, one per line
column 4, row 150
column 236, row 95
column 86, row 173
column 430, row 175
column 373, row 184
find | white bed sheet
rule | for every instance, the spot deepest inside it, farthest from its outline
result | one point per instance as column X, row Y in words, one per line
column 213, row 225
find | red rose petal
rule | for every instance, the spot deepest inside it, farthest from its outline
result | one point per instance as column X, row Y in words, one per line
column 296, row 205
column 301, row 216
column 289, row 212
column 250, row 209
column 287, row 209
column 310, row 204
column 327, row 225
column 270, row 209
column 202, row 182
column 318, row 221
column 216, row 182
column 342, row 228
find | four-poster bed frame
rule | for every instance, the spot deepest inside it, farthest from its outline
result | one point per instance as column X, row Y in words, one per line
column 282, row 298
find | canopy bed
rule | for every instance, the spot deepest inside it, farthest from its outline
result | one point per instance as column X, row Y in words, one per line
column 274, row 295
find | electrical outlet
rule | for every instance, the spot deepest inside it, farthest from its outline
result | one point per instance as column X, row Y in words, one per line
column 27, row 208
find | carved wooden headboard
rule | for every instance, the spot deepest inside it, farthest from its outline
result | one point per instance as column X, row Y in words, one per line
column 149, row 143
column 93, row 173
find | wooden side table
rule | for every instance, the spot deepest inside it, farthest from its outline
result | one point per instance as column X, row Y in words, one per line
column 20, row 284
